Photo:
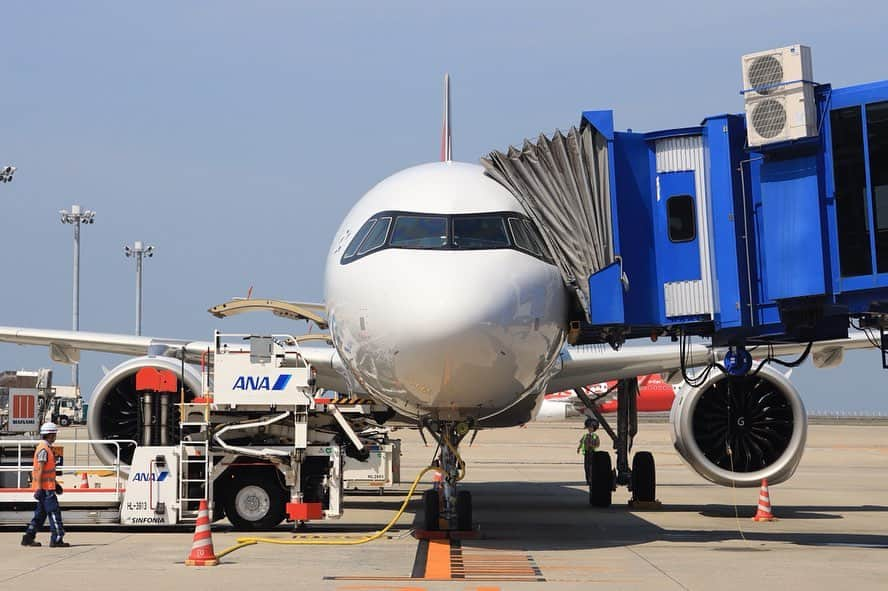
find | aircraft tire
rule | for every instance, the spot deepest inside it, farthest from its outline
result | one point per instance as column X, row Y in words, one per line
column 644, row 477
column 464, row 510
column 431, row 509
column 602, row 486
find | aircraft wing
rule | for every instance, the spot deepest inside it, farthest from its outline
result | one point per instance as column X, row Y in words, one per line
column 65, row 345
column 577, row 366
column 583, row 365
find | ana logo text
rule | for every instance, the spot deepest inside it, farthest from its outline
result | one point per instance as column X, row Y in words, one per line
column 261, row 382
column 150, row 476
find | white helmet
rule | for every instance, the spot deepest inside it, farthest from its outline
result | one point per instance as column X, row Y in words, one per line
column 48, row 428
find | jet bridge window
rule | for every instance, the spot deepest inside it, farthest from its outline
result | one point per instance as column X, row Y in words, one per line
column 419, row 232
column 680, row 218
column 877, row 139
column 849, row 172
column 477, row 232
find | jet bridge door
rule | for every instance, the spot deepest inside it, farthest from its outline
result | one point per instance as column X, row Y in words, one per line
column 677, row 243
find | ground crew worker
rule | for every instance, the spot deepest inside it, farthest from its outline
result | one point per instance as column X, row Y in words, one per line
column 588, row 446
column 43, row 479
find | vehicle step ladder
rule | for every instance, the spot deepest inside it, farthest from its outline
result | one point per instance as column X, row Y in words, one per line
column 194, row 472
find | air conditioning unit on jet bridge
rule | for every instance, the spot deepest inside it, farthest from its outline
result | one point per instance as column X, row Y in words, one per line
column 778, row 90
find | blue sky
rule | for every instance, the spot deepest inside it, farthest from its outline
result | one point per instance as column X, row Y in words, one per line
column 234, row 136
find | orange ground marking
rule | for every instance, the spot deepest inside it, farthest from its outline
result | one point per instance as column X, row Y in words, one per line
column 438, row 560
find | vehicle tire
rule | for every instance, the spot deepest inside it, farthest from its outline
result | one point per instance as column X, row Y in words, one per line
column 464, row 510
column 64, row 421
column 602, row 486
column 644, row 477
column 431, row 509
column 255, row 501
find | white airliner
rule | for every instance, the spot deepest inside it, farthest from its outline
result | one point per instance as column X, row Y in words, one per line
column 442, row 303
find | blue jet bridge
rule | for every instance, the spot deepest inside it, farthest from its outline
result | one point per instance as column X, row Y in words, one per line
column 785, row 242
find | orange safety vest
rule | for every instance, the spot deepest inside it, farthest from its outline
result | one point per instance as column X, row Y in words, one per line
column 48, row 476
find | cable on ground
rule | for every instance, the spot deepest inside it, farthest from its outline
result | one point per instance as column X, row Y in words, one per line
column 338, row 541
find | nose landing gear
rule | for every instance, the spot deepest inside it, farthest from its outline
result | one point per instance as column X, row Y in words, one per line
column 446, row 508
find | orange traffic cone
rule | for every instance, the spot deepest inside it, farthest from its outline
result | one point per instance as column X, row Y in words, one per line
column 84, row 482
column 202, row 553
column 764, row 506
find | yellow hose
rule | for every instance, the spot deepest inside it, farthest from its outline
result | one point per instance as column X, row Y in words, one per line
column 459, row 460
column 340, row 541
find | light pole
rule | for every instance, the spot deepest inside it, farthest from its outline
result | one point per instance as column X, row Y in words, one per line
column 137, row 251
column 76, row 217
column 6, row 173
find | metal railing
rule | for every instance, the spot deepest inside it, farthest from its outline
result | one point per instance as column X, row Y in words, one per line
column 25, row 468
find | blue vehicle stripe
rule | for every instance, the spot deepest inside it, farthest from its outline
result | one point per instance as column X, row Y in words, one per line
column 282, row 381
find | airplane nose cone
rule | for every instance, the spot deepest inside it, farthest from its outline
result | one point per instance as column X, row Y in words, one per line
column 470, row 333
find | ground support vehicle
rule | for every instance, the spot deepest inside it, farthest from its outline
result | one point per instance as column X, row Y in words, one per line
column 259, row 443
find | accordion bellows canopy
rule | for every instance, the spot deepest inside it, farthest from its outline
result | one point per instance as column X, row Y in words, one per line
column 563, row 184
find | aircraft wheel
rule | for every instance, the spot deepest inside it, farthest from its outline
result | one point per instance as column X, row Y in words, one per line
column 431, row 509
column 464, row 510
column 602, row 486
column 644, row 477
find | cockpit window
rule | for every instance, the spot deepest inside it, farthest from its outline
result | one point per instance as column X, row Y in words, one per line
column 474, row 232
column 359, row 237
column 536, row 238
column 523, row 239
column 376, row 237
column 419, row 232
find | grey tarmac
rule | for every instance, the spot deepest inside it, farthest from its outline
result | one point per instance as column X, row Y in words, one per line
column 538, row 531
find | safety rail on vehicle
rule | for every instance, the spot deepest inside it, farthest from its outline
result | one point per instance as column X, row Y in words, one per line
column 21, row 468
column 231, row 343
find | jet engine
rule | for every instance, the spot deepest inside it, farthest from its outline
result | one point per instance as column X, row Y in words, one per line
column 118, row 412
column 737, row 430
column 557, row 410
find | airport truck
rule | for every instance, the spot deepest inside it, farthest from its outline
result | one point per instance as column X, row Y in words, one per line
column 249, row 433
column 66, row 407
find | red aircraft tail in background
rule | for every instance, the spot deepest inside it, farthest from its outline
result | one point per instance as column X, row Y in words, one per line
column 654, row 395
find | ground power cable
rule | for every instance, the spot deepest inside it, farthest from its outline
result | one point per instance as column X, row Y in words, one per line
column 339, row 541
column 734, row 494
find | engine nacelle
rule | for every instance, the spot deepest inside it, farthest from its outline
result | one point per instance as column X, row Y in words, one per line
column 739, row 430
column 556, row 410
column 118, row 411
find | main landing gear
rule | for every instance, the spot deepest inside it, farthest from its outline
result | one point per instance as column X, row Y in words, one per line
column 445, row 507
column 641, row 478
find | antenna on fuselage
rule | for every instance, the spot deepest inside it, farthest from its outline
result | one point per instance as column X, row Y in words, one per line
column 446, row 147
